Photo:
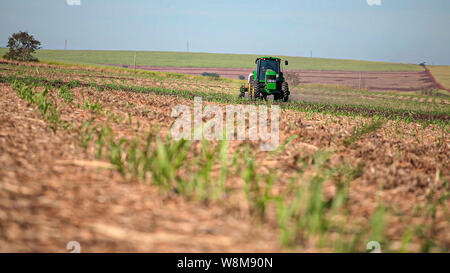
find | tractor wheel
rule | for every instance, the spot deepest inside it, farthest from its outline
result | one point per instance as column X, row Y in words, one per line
column 250, row 88
column 257, row 91
column 264, row 96
column 285, row 91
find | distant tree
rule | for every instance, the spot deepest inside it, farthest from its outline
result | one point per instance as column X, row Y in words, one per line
column 21, row 47
column 241, row 77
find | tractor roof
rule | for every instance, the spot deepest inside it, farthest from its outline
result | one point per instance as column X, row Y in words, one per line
column 274, row 58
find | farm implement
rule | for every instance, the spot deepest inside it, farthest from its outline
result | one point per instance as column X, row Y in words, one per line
column 266, row 80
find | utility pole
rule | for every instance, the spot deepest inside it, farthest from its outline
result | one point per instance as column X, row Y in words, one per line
column 187, row 46
column 65, row 45
column 311, row 54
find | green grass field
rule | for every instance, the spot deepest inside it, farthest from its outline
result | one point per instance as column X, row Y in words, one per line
column 156, row 58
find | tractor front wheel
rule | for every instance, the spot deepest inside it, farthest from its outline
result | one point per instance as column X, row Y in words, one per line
column 285, row 91
column 264, row 96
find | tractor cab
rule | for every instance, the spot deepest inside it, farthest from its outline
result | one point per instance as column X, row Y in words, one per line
column 265, row 65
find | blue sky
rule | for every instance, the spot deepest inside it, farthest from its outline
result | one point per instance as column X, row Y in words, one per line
column 397, row 30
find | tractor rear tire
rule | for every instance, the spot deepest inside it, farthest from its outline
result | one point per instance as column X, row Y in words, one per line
column 285, row 91
column 257, row 91
column 277, row 96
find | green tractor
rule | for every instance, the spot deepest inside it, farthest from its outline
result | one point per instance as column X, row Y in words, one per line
column 267, row 80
